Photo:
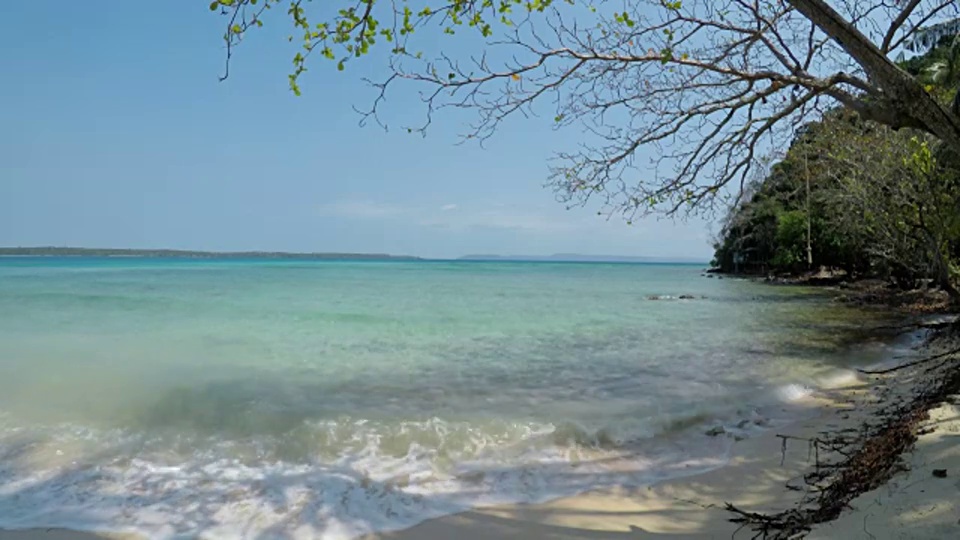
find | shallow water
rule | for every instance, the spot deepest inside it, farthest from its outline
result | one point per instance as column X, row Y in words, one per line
column 328, row 399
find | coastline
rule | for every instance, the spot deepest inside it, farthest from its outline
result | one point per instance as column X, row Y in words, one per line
column 690, row 507
column 754, row 479
column 686, row 507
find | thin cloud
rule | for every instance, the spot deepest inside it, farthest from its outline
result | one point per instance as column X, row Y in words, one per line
column 362, row 210
column 489, row 216
column 501, row 217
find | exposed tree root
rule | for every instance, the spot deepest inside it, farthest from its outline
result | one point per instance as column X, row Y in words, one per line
column 858, row 462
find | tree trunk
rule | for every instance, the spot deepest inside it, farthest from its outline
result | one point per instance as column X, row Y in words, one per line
column 903, row 102
column 942, row 267
column 943, row 280
column 955, row 106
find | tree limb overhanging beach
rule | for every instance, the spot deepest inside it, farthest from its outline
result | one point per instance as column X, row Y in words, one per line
column 701, row 89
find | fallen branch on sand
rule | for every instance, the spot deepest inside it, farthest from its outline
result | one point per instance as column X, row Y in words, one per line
column 938, row 325
column 854, row 465
column 910, row 364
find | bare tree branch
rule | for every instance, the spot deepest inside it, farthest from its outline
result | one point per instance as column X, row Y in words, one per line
column 675, row 99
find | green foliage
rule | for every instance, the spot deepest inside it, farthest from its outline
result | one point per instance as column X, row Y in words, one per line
column 880, row 201
column 791, row 239
column 355, row 29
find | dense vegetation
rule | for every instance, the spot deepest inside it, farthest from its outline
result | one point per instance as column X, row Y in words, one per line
column 859, row 196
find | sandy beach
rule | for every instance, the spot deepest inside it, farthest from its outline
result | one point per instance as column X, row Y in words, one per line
column 691, row 507
column 913, row 504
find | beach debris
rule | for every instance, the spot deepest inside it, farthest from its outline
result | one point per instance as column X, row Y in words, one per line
column 948, row 354
column 848, row 463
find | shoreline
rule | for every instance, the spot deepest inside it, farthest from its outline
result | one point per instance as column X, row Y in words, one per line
column 684, row 507
column 687, row 507
column 765, row 475
column 754, row 479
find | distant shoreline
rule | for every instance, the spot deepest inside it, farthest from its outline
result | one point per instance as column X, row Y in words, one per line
column 575, row 258
column 51, row 251
column 190, row 254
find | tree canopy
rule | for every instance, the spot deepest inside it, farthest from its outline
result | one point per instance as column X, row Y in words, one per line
column 859, row 196
column 705, row 86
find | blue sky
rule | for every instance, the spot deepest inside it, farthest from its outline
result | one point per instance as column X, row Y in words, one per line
column 115, row 132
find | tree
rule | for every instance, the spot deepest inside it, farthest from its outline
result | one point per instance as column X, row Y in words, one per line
column 881, row 201
column 890, row 188
column 789, row 220
column 945, row 73
column 706, row 85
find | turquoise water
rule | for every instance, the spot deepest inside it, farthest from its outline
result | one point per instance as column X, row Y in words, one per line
column 328, row 399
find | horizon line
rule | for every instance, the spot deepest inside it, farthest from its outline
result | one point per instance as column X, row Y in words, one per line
column 157, row 252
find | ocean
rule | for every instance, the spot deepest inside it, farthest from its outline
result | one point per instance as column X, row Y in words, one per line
column 330, row 399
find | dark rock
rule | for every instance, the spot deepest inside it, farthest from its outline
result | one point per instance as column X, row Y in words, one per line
column 940, row 473
column 686, row 297
column 713, row 432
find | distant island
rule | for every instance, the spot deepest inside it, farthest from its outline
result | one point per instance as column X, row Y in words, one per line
column 48, row 251
column 576, row 257
column 52, row 251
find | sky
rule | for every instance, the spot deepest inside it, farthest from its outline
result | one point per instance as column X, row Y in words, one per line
column 116, row 132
